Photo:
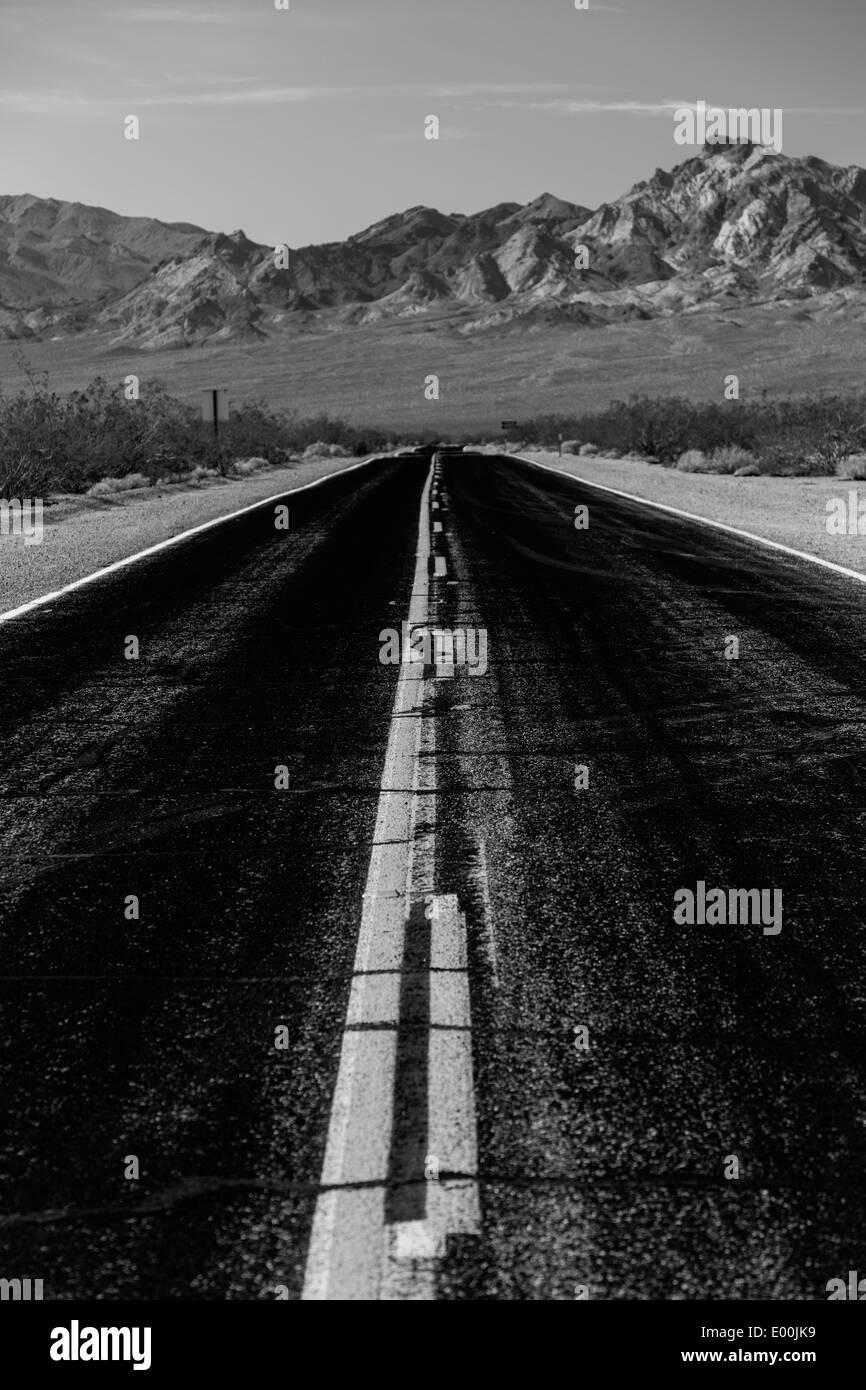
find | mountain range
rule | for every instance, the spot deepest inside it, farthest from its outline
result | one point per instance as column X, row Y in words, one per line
column 736, row 224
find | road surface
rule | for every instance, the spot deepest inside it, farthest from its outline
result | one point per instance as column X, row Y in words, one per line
column 405, row 1012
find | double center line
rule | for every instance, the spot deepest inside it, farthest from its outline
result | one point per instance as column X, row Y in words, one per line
column 399, row 1173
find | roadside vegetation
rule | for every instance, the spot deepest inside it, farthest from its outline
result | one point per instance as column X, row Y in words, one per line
column 97, row 440
column 818, row 436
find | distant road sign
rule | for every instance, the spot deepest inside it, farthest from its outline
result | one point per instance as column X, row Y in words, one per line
column 511, row 424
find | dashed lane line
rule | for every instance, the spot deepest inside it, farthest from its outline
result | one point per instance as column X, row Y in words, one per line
column 373, row 1238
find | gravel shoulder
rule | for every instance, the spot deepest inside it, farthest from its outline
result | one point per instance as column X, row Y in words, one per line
column 82, row 534
column 792, row 511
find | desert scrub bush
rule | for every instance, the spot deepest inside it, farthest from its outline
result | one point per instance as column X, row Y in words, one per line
column 30, row 442
column 662, row 427
column 729, row 458
column 66, row 444
column 317, row 450
column 786, row 460
column 100, row 427
column 838, row 430
column 253, row 430
column 128, row 483
column 50, row 443
column 322, row 431
column 243, row 467
column 692, row 461
column 323, row 450
column 827, row 427
column 810, row 435
column 852, row 468
column 588, row 450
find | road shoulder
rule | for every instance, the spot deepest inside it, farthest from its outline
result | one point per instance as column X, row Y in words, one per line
column 85, row 534
column 789, row 511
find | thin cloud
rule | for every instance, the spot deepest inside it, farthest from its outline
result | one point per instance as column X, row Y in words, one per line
column 257, row 96
column 574, row 107
column 184, row 14
column 36, row 103
column 43, row 103
column 824, row 111
column 471, row 89
column 238, row 95
column 277, row 95
column 446, row 133
column 580, row 107
column 175, row 14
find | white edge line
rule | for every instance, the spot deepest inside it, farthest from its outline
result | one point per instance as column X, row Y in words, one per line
column 692, row 516
column 115, row 565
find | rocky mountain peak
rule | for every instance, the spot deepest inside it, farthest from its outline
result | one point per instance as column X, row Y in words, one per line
column 733, row 222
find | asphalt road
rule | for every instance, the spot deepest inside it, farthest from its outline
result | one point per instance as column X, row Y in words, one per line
column 606, row 1160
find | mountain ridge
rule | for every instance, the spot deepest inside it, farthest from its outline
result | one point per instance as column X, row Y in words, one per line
column 732, row 224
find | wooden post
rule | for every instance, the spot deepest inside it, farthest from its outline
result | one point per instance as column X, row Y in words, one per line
column 215, row 407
